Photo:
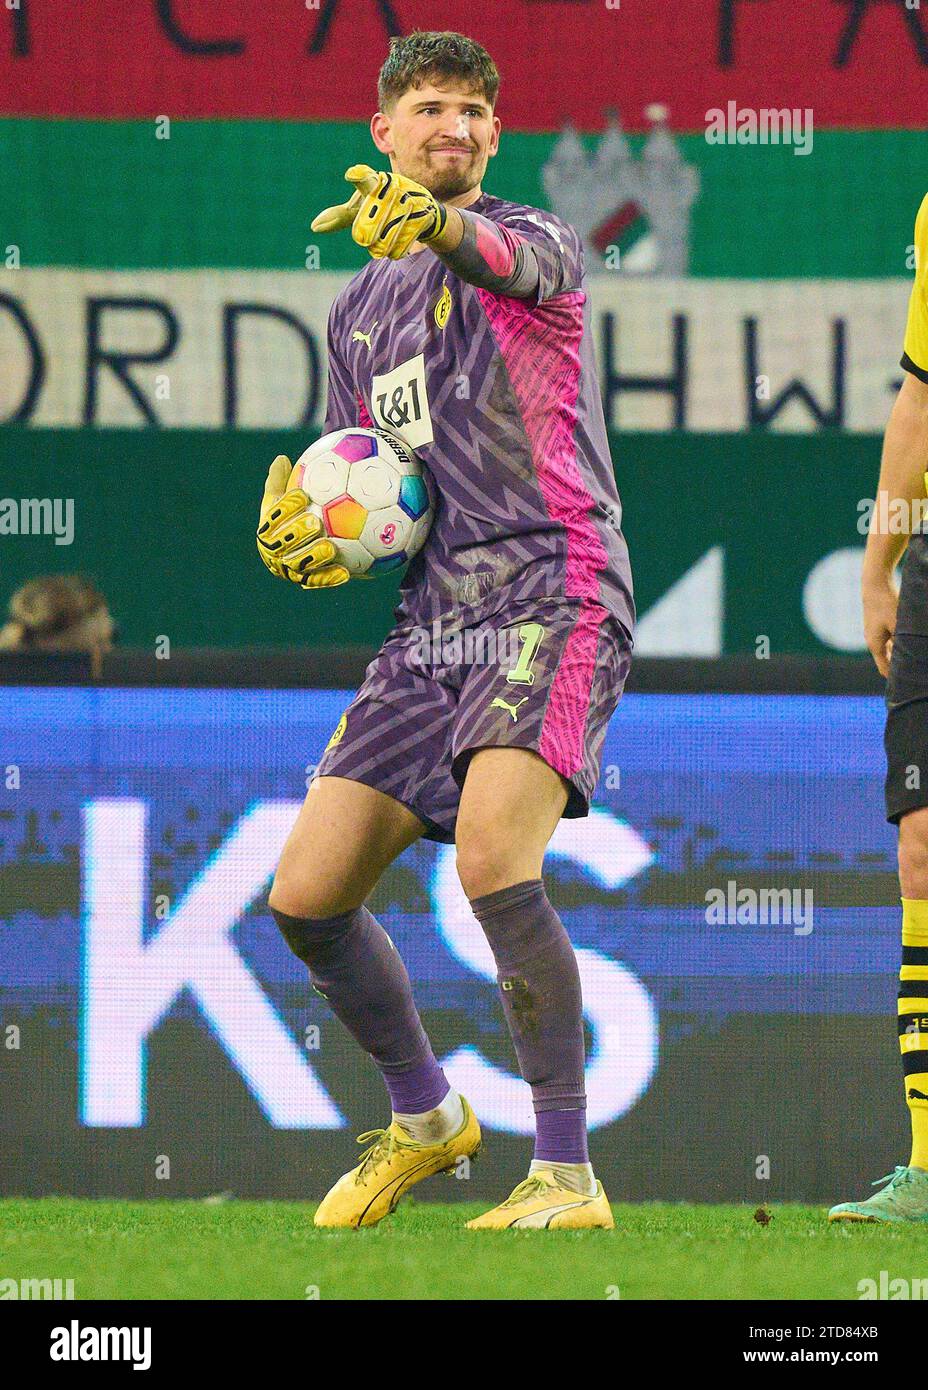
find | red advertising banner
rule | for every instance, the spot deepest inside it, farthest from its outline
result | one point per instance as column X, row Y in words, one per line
column 860, row 63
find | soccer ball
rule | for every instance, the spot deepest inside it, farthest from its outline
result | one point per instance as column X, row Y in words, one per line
column 371, row 494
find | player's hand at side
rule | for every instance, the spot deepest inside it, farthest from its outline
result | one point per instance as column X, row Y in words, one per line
column 880, row 604
column 386, row 213
column 291, row 541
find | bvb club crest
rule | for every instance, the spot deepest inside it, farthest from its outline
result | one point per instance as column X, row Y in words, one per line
column 338, row 734
column 443, row 306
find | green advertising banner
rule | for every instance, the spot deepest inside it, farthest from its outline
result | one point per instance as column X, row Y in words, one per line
column 739, row 543
column 195, row 194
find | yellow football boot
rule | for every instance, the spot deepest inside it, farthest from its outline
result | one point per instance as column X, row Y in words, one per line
column 539, row 1203
column 392, row 1164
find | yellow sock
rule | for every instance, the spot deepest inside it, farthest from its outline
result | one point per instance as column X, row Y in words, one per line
column 913, row 1022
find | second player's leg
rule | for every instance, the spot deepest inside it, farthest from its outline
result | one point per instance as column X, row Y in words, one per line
column 905, row 1195
column 913, row 980
column 913, row 854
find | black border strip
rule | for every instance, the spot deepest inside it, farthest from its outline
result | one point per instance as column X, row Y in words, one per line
column 343, row 668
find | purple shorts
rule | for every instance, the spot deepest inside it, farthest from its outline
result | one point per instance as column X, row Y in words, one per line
column 547, row 677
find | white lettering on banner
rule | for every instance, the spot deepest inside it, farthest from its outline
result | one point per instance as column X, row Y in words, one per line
column 616, row 1004
column 247, row 348
column 129, row 984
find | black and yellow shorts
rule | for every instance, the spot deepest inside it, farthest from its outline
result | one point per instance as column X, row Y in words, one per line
column 906, row 736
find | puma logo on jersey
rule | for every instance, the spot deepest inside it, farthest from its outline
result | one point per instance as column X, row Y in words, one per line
column 359, row 337
column 500, row 703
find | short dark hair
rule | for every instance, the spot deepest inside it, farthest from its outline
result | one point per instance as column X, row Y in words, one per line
column 435, row 53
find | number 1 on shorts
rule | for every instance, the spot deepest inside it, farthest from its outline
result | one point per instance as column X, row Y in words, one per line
column 530, row 635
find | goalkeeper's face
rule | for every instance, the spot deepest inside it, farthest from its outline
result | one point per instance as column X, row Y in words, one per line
column 440, row 136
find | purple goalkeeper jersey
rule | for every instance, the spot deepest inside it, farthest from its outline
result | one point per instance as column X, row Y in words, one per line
column 499, row 398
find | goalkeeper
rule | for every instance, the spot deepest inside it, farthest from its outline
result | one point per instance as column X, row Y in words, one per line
column 467, row 334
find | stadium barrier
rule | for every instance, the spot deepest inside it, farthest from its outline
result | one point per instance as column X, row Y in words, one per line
column 342, row 668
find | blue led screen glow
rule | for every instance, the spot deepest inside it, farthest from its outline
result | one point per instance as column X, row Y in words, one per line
column 155, row 1009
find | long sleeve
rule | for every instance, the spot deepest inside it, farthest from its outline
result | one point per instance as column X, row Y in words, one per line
column 527, row 256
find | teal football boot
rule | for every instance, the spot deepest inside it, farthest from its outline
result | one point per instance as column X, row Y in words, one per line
column 904, row 1198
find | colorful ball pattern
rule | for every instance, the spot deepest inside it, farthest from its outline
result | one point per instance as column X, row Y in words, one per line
column 373, row 496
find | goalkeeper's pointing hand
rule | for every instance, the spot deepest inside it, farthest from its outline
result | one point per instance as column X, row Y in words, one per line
column 386, row 213
column 291, row 541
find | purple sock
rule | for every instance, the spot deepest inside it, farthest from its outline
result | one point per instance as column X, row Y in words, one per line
column 560, row 1136
column 416, row 1089
column 540, row 988
column 356, row 968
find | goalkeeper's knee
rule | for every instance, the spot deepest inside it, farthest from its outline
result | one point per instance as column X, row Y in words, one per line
column 311, row 938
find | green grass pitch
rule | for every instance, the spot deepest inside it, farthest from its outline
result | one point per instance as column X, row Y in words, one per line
column 270, row 1250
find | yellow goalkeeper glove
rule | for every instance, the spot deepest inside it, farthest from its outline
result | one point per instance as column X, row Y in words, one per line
column 291, row 541
column 386, row 213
